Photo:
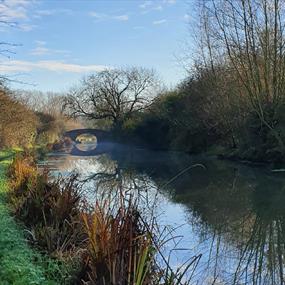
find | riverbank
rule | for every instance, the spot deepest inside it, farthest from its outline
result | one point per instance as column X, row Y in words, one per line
column 250, row 156
column 20, row 264
column 83, row 237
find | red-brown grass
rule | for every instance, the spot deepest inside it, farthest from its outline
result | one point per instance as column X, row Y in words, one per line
column 49, row 209
column 120, row 249
column 113, row 244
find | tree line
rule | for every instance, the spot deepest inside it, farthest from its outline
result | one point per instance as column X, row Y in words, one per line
column 232, row 100
column 31, row 117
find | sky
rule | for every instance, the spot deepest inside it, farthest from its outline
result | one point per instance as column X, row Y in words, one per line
column 55, row 43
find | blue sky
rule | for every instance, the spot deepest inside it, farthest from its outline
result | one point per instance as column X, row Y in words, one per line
column 59, row 42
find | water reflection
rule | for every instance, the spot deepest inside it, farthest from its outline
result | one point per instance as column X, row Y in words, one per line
column 233, row 214
column 86, row 146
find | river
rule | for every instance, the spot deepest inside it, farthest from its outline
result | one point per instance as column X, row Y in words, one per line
column 230, row 213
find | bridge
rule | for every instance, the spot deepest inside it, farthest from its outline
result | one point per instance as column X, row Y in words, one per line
column 103, row 141
column 100, row 135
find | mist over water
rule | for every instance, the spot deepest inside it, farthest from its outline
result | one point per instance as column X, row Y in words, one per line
column 230, row 213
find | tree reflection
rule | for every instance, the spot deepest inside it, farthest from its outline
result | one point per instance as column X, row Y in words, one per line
column 114, row 182
column 236, row 212
column 262, row 251
column 239, row 213
column 245, row 223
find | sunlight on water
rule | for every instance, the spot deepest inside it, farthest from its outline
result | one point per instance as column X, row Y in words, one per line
column 230, row 213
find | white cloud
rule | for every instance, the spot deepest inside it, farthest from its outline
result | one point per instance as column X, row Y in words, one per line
column 121, row 18
column 50, row 65
column 26, row 27
column 13, row 3
column 145, row 5
column 159, row 22
column 40, row 43
column 44, row 12
column 159, row 8
column 41, row 49
column 13, row 10
column 19, row 13
column 41, row 13
column 149, row 6
column 16, row 13
column 170, row 2
column 97, row 15
column 101, row 16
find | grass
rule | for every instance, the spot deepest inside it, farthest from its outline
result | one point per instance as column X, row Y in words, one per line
column 120, row 249
column 106, row 244
column 20, row 264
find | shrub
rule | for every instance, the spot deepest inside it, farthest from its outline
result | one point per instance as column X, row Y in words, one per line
column 23, row 175
column 50, row 127
column 17, row 123
column 50, row 210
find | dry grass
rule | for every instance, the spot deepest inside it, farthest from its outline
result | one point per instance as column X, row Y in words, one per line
column 113, row 245
column 120, row 250
column 22, row 173
column 50, row 210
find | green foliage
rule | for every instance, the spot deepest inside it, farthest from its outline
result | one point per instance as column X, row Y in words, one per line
column 258, row 142
column 153, row 131
column 19, row 263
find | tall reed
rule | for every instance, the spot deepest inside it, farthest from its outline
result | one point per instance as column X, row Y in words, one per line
column 120, row 250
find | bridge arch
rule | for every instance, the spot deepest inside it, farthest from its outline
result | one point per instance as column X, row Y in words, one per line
column 100, row 135
column 102, row 141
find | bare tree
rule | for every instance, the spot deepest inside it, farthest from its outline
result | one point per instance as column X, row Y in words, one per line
column 248, row 35
column 114, row 94
column 6, row 48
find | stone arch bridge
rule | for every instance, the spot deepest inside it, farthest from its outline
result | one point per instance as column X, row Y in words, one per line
column 100, row 135
column 103, row 141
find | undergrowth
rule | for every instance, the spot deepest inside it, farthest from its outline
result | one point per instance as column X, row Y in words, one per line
column 105, row 244
column 19, row 263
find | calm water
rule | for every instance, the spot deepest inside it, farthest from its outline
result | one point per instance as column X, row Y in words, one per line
column 232, row 214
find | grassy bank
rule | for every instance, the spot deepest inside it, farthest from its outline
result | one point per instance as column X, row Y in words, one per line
column 20, row 264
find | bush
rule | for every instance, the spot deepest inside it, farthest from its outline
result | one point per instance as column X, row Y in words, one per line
column 50, row 127
column 23, row 175
column 174, row 121
column 50, row 210
column 18, row 124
